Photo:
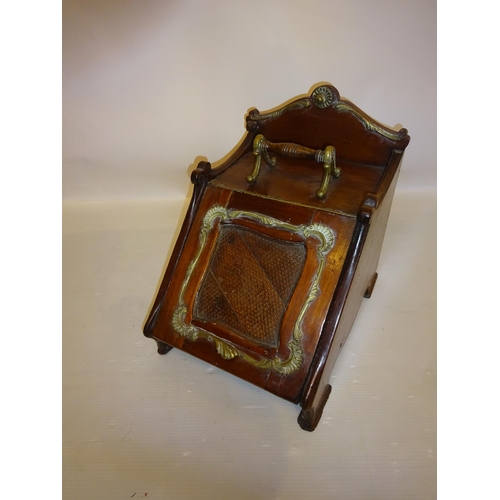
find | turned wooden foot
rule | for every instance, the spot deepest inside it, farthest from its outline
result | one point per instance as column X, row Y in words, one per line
column 310, row 417
column 371, row 286
column 163, row 348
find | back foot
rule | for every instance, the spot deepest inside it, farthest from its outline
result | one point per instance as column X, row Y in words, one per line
column 371, row 286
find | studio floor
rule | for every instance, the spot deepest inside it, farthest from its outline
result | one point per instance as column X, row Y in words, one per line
column 140, row 425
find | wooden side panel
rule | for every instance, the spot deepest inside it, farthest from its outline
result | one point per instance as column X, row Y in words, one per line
column 362, row 263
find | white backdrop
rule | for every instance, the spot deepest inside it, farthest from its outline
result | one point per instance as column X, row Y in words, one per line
column 150, row 86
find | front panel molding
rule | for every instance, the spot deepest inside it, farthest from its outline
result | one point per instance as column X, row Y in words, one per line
column 227, row 350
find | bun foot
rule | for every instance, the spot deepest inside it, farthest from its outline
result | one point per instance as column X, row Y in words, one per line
column 163, row 348
column 309, row 417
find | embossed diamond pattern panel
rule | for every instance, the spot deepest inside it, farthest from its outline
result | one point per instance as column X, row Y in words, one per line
column 249, row 282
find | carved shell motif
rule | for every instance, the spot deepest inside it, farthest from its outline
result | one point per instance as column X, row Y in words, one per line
column 323, row 97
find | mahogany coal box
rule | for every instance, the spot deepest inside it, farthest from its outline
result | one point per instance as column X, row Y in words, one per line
column 279, row 246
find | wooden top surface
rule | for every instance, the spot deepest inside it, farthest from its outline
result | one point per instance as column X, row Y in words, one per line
column 296, row 181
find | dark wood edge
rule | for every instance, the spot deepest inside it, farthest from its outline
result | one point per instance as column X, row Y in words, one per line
column 372, row 201
column 389, row 173
column 199, row 178
column 313, row 379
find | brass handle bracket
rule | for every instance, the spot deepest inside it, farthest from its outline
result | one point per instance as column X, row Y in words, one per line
column 262, row 147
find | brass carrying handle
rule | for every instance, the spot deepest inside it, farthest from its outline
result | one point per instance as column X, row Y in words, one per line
column 262, row 147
